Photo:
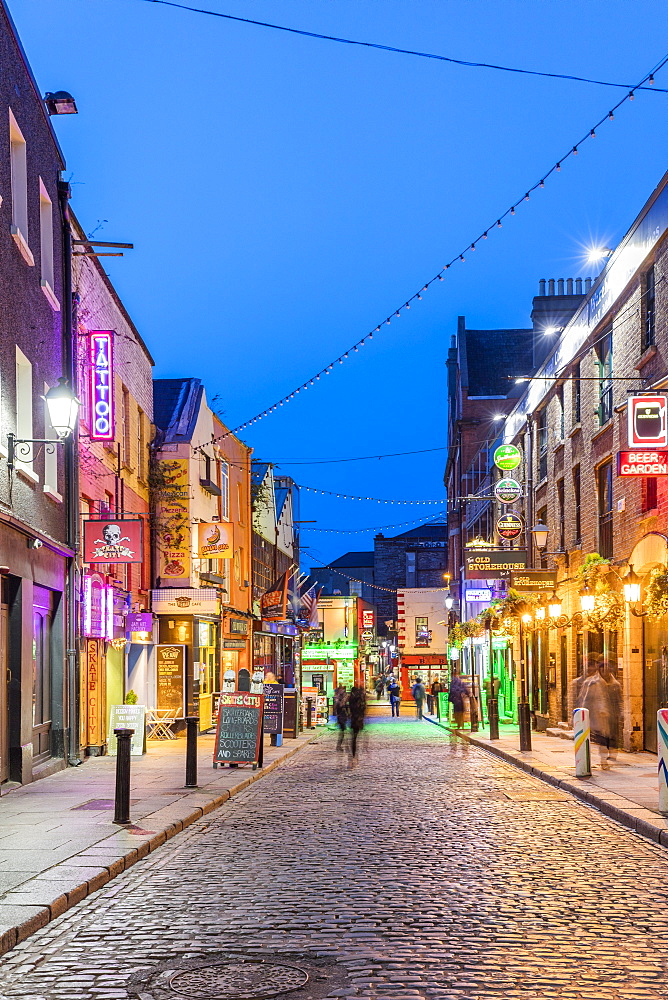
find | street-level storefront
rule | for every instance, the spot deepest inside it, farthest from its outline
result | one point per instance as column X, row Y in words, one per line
column 429, row 667
column 33, row 666
column 326, row 667
column 187, row 656
column 275, row 650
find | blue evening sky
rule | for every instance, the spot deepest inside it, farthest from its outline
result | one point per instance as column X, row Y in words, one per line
column 285, row 194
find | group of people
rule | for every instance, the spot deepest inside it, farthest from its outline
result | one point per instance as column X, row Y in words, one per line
column 350, row 709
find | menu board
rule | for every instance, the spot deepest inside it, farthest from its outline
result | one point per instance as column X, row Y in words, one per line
column 171, row 673
column 128, row 717
column 238, row 732
column 273, row 708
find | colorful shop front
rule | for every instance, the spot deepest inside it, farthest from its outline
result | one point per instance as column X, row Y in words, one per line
column 187, row 663
column 276, row 650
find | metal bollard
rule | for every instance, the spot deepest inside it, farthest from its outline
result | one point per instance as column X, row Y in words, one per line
column 122, row 800
column 581, row 737
column 192, row 724
column 309, row 713
column 662, row 741
column 524, row 719
column 493, row 715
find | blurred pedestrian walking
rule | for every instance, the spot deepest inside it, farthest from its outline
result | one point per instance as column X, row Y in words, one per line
column 379, row 687
column 394, row 691
column 595, row 697
column 341, row 712
column 420, row 695
column 357, row 711
column 458, row 694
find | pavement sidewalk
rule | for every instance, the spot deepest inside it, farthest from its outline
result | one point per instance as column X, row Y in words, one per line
column 58, row 842
column 628, row 792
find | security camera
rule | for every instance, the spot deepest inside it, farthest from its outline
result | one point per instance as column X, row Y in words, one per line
column 35, row 543
column 4, row 570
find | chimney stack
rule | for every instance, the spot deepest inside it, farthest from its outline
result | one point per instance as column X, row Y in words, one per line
column 569, row 286
column 550, row 286
column 587, row 285
column 560, row 286
column 541, row 286
column 578, row 286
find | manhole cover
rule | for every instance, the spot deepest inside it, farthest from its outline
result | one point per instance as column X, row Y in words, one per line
column 238, row 980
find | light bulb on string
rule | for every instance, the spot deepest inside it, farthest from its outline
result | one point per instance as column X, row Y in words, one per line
column 592, row 134
column 462, row 258
column 611, row 116
column 512, row 210
column 558, row 168
column 631, row 96
column 526, row 196
column 498, row 224
column 542, row 184
column 575, row 150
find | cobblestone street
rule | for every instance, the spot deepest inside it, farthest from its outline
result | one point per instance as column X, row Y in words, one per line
column 430, row 870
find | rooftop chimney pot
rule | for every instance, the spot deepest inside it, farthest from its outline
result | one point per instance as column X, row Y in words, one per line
column 550, row 286
column 541, row 286
column 578, row 286
column 569, row 286
column 560, row 286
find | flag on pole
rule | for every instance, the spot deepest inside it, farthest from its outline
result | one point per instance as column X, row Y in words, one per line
column 308, row 612
column 274, row 602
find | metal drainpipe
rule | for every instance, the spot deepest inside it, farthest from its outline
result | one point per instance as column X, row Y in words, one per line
column 71, row 456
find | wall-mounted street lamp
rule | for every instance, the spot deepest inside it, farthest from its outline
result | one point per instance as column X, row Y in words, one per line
column 449, row 601
column 554, row 605
column 60, row 103
column 587, row 599
column 539, row 533
column 596, row 254
column 63, row 409
column 631, row 584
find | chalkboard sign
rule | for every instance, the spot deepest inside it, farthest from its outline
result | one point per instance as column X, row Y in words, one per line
column 128, row 717
column 273, row 708
column 171, row 671
column 239, row 728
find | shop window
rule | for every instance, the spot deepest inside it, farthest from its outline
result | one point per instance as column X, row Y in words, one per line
column 410, row 569
column 225, row 491
column 542, row 434
column 126, row 423
column 561, row 420
column 542, row 517
column 561, row 524
column 649, row 493
column 604, row 362
column 50, row 457
column 576, row 395
column 24, row 425
column 46, row 246
column 141, row 445
column 649, row 331
column 604, row 482
column 577, row 510
column 19, row 180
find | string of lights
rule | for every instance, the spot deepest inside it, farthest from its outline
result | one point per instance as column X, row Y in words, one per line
column 393, row 48
column 361, row 458
column 460, row 257
column 348, row 496
column 430, row 519
column 346, row 576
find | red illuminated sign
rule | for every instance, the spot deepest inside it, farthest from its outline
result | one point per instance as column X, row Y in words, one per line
column 647, row 426
column 642, row 463
column 112, row 540
column 367, row 618
column 102, row 385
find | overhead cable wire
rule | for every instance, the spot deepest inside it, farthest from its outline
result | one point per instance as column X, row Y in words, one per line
column 360, row 458
column 348, row 496
column 458, row 258
column 424, row 521
column 469, row 63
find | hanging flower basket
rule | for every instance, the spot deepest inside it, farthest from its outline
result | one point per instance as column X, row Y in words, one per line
column 656, row 595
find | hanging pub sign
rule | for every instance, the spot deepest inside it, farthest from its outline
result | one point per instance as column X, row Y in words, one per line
column 113, row 540
column 507, row 457
column 102, row 385
column 510, row 525
column 493, row 564
column 642, row 463
column 647, row 426
column 534, row 581
column 216, row 540
column 507, row 490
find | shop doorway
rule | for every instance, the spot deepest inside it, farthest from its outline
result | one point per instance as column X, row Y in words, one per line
column 243, row 680
column 563, row 678
column 655, row 679
column 41, row 673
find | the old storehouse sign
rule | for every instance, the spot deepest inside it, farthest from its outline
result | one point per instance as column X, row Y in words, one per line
column 102, row 385
column 113, row 541
column 642, row 463
column 507, row 490
column 647, row 426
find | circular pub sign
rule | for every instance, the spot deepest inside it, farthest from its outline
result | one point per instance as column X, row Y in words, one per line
column 507, row 490
column 510, row 525
column 507, row 457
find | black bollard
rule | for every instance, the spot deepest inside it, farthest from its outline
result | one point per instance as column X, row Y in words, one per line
column 524, row 719
column 493, row 715
column 122, row 800
column 309, row 713
column 192, row 725
column 473, row 705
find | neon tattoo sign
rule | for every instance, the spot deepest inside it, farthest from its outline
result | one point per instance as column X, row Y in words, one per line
column 102, row 385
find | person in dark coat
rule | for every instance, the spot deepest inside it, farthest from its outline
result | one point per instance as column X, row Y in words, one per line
column 458, row 693
column 341, row 712
column 357, row 711
column 394, row 691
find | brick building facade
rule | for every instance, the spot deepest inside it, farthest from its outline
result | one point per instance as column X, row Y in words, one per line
column 571, row 424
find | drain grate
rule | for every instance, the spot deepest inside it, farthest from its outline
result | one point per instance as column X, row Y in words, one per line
column 238, row 980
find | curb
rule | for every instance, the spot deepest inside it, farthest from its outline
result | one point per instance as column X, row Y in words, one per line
column 45, row 914
column 647, row 824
